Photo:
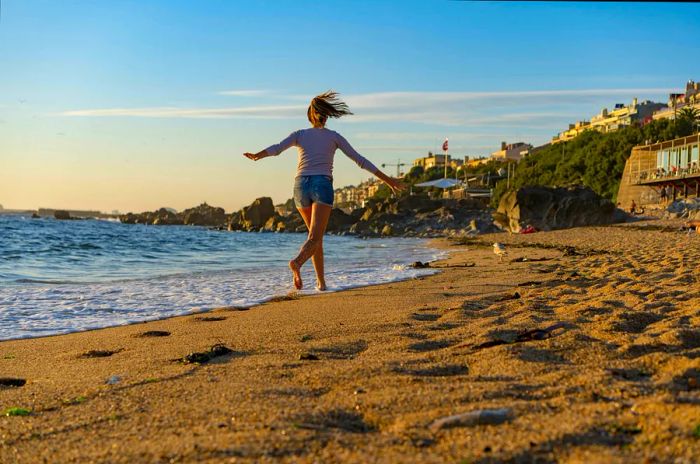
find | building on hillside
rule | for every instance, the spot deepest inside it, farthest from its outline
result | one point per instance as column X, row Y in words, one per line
column 672, row 167
column 572, row 132
column 474, row 162
column 352, row 197
column 678, row 101
column 512, row 151
column 438, row 160
column 609, row 121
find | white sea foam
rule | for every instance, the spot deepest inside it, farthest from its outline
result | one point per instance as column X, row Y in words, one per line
column 104, row 281
column 41, row 309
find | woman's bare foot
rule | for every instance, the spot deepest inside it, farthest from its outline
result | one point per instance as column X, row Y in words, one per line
column 296, row 274
column 321, row 287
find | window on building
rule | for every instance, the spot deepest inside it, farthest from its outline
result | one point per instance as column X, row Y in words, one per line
column 684, row 158
column 694, row 154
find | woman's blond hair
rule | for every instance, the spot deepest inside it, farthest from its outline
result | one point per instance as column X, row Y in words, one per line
column 324, row 106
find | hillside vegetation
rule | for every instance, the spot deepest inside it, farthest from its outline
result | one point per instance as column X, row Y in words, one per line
column 593, row 159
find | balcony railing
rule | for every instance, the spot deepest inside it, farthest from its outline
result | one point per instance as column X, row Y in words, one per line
column 660, row 175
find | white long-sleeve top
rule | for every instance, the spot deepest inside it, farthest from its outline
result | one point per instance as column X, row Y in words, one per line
column 316, row 147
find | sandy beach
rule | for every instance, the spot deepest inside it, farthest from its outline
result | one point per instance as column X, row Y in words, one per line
column 612, row 374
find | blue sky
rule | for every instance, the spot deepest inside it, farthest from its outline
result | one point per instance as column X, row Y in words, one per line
column 133, row 105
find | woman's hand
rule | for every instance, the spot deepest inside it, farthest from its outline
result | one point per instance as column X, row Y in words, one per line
column 255, row 156
column 395, row 185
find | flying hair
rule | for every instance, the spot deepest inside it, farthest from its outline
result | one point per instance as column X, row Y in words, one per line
column 327, row 105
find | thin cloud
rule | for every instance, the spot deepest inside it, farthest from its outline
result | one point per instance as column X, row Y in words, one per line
column 252, row 112
column 245, row 93
column 449, row 109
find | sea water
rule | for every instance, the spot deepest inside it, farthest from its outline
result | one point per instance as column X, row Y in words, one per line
column 65, row 276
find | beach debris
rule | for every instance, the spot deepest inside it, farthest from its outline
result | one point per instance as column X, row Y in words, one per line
column 308, row 357
column 209, row 318
column 455, row 265
column 526, row 336
column 514, row 296
column 74, row 401
column 530, row 283
column 154, row 333
column 420, row 265
column 472, row 418
column 572, row 251
column 113, row 380
column 99, row 353
column 16, row 412
column 12, row 382
column 524, row 259
column 206, row 356
column 305, row 338
column 499, row 250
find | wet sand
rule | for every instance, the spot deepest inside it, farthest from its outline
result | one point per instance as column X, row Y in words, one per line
column 613, row 374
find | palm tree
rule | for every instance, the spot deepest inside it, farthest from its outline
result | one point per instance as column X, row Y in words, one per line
column 692, row 116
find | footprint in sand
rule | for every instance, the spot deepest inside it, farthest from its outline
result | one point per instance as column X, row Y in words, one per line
column 99, row 353
column 154, row 333
column 340, row 350
column 210, row 318
column 425, row 317
column 439, row 370
column 430, row 345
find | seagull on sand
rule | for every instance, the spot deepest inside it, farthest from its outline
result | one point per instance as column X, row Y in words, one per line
column 500, row 250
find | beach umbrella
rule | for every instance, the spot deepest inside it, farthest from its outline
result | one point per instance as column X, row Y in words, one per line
column 440, row 183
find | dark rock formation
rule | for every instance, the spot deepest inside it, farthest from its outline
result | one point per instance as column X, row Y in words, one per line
column 257, row 214
column 61, row 215
column 204, row 215
column 548, row 208
column 165, row 217
column 410, row 216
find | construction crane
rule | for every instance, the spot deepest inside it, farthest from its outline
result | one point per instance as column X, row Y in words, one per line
column 398, row 166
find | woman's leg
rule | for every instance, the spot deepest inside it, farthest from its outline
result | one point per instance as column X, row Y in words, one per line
column 317, row 258
column 319, row 220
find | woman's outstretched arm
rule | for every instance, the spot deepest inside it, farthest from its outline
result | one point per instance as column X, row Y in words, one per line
column 274, row 150
column 395, row 185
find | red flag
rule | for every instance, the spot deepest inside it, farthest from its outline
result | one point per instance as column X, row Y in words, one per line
column 444, row 145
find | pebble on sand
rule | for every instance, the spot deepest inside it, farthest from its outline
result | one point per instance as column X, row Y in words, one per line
column 472, row 418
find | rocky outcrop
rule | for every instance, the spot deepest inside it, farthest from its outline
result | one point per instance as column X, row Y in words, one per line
column 548, row 208
column 420, row 216
column 62, row 215
column 204, row 215
column 687, row 209
column 257, row 214
column 410, row 216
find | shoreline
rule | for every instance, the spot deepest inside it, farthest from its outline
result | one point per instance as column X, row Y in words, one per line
column 291, row 295
column 361, row 375
column 104, row 302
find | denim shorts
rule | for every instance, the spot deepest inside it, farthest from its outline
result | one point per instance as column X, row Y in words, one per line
column 313, row 189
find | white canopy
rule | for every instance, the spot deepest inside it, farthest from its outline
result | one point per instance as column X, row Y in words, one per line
column 440, row 183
